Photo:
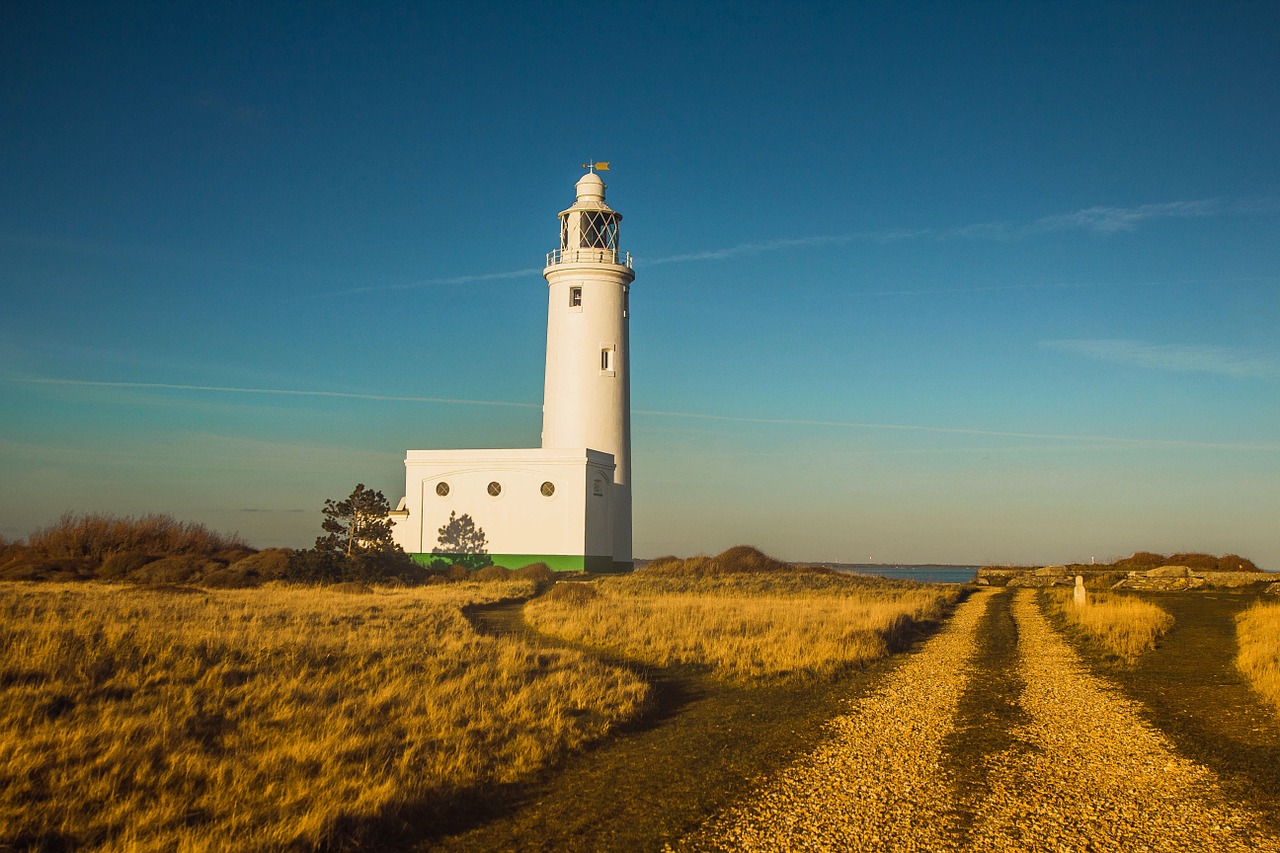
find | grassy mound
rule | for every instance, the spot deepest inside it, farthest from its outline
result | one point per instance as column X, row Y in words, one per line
column 738, row 560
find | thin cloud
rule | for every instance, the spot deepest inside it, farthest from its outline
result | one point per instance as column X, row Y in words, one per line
column 917, row 428
column 1220, row 361
column 1040, row 436
column 226, row 389
column 432, row 282
column 1110, row 220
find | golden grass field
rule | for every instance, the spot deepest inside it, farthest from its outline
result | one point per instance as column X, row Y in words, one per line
column 1122, row 625
column 1258, row 632
column 179, row 719
column 745, row 627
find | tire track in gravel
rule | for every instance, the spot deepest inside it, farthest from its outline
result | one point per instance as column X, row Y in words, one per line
column 879, row 781
column 1093, row 775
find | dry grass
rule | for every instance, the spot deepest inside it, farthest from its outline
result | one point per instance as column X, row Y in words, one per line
column 1258, row 631
column 1122, row 625
column 744, row 627
column 156, row 719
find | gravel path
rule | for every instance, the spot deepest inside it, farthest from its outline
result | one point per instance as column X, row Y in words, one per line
column 1093, row 775
column 1085, row 773
column 878, row 782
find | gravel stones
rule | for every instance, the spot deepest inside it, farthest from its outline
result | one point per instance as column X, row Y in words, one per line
column 878, row 783
column 1092, row 774
column 1085, row 772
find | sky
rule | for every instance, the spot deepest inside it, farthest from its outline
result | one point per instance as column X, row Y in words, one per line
column 915, row 282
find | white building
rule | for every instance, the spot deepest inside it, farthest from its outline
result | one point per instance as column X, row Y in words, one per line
column 568, row 503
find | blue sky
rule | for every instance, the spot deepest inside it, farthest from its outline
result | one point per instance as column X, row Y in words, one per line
column 914, row 282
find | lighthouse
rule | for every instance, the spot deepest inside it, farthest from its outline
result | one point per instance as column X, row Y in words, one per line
column 587, row 396
column 568, row 502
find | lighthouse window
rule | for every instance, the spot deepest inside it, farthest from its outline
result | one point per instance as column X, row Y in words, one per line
column 495, row 488
column 548, row 489
column 442, row 489
column 575, row 297
column 607, row 359
column 599, row 230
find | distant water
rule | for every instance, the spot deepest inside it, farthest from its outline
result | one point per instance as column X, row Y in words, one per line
column 923, row 574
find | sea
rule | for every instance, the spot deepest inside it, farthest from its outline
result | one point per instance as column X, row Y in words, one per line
column 923, row 574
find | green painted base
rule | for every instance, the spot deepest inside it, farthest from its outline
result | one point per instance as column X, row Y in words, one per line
column 555, row 562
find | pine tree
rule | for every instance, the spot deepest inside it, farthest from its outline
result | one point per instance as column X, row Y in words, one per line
column 356, row 525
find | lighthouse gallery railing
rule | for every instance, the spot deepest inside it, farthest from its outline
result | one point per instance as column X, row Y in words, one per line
column 589, row 256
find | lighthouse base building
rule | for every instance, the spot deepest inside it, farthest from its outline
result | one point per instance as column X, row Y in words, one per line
column 567, row 503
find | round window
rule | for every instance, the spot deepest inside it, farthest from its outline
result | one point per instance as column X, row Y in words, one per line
column 548, row 489
column 495, row 488
column 442, row 489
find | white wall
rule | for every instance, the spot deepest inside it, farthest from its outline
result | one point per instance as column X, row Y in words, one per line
column 520, row 519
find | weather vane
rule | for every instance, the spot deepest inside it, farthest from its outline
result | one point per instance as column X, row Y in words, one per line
column 592, row 167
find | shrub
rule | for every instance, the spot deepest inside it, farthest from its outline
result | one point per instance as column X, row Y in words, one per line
column 457, row 572
column 230, row 578
column 740, row 559
column 491, row 573
column 30, row 568
column 1236, row 563
column 539, row 572
column 179, row 568
column 572, row 593
column 120, row 565
column 98, row 535
column 269, row 563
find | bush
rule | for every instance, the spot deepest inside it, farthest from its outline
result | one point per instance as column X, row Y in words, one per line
column 176, row 569
column 457, row 572
column 539, row 572
column 738, row 560
column 122, row 564
column 573, row 592
column 28, row 568
column 1236, row 563
column 230, row 578
column 269, row 564
column 491, row 573
column 99, row 535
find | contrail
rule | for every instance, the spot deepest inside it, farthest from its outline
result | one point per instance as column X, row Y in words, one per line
column 701, row 416
column 1101, row 439
column 228, row 389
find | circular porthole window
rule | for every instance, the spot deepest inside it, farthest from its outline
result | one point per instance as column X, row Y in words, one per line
column 442, row 489
column 495, row 488
column 548, row 489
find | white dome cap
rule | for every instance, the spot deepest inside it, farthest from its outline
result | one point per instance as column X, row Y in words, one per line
column 590, row 187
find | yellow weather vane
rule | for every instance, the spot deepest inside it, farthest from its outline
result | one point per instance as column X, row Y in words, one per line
column 594, row 167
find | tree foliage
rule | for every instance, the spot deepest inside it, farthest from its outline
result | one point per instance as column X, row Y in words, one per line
column 462, row 540
column 356, row 544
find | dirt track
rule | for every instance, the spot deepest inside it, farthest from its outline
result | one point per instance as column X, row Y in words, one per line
column 1082, row 772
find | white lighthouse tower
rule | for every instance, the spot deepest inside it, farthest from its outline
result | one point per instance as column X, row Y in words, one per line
column 587, row 397
column 568, row 502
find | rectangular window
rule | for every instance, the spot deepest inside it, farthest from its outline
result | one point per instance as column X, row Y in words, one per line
column 606, row 359
column 575, row 297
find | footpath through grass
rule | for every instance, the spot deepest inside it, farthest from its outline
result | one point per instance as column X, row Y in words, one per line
column 1201, row 701
column 702, row 746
